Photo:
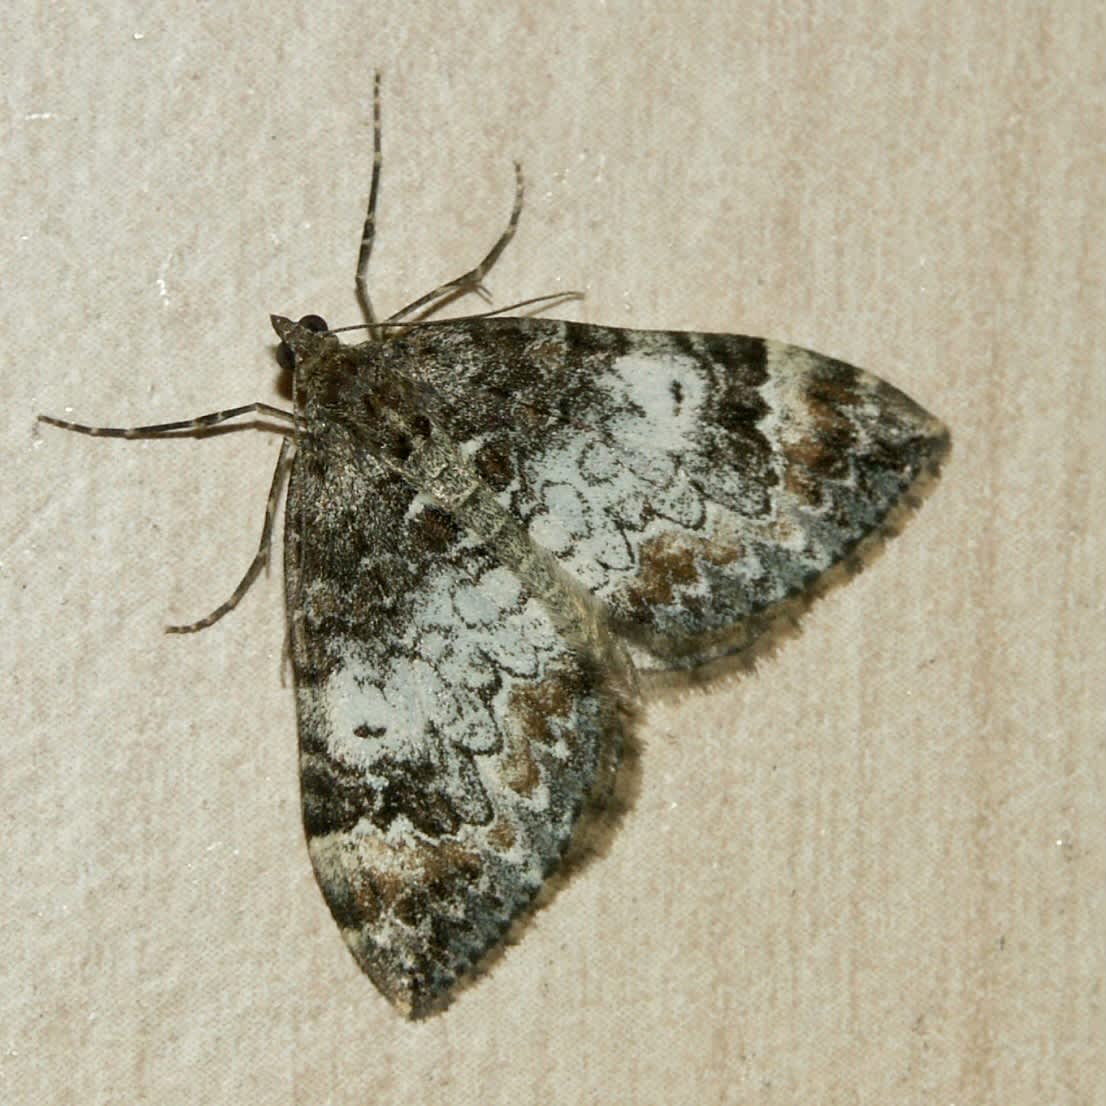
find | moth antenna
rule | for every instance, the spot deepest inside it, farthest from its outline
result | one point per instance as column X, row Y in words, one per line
column 368, row 232
column 548, row 298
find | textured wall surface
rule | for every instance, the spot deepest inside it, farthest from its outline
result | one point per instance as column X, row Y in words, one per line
column 872, row 871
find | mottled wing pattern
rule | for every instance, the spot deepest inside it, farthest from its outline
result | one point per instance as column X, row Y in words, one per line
column 692, row 482
column 449, row 734
column 459, row 695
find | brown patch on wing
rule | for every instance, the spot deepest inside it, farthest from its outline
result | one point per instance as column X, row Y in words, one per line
column 494, row 466
column 433, row 874
column 436, row 528
column 669, row 563
column 828, row 439
column 536, row 708
column 418, row 876
column 516, row 766
column 502, row 836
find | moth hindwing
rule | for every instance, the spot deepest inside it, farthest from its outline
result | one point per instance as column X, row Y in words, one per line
column 492, row 524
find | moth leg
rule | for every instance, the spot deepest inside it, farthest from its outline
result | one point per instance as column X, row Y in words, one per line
column 261, row 559
column 368, row 232
column 470, row 281
column 199, row 423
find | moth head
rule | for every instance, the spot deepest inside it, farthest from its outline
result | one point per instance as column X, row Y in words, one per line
column 299, row 342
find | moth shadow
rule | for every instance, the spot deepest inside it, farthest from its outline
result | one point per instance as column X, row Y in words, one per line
column 284, row 377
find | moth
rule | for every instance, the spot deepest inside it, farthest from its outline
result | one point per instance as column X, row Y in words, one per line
column 493, row 524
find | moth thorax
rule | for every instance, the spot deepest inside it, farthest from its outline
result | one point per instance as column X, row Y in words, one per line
column 392, row 419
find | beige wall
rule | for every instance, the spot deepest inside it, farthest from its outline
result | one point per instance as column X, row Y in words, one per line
column 870, row 872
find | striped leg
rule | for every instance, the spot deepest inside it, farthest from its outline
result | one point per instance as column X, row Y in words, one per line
column 368, row 232
column 181, row 427
column 264, row 550
column 470, row 281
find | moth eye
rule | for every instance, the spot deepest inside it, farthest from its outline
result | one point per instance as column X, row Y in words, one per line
column 286, row 359
column 401, row 447
column 421, row 426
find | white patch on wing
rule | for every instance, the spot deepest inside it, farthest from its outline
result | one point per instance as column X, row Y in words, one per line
column 466, row 638
column 566, row 521
column 669, row 389
column 593, row 499
column 419, row 502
